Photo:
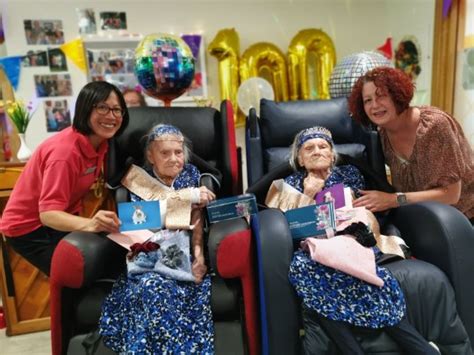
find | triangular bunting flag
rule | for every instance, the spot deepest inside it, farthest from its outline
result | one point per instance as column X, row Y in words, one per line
column 74, row 50
column 386, row 49
column 12, row 68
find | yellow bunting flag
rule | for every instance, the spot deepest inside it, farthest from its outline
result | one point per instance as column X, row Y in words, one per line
column 74, row 50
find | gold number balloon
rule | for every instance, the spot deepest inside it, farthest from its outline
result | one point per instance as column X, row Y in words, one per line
column 310, row 42
column 264, row 57
column 226, row 48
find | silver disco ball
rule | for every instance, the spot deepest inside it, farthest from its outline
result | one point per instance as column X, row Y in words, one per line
column 351, row 68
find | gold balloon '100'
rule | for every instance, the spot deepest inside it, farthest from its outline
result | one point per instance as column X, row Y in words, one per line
column 305, row 43
column 266, row 56
column 290, row 77
column 226, row 48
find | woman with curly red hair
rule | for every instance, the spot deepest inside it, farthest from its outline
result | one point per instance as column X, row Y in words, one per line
column 428, row 154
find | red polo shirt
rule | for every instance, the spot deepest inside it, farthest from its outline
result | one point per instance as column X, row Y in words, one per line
column 57, row 176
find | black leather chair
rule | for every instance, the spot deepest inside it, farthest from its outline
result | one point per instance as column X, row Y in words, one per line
column 85, row 265
column 437, row 234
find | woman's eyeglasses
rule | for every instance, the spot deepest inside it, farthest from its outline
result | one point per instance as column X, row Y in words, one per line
column 104, row 109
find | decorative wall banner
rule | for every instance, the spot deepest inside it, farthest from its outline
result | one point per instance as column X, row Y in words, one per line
column 74, row 50
column 198, row 86
column 446, row 6
column 386, row 48
column 12, row 68
column 2, row 34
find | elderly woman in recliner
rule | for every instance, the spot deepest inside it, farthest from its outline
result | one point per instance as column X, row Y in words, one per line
column 336, row 299
column 163, row 303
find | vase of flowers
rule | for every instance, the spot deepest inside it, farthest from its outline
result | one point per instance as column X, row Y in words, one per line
column 20, row 115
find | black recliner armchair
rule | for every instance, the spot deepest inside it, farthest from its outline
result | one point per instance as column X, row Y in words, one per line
column 437, row 234
column 85, row 265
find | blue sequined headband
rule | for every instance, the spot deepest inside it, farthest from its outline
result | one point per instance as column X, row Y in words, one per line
column 162, row 130
column 314, row 132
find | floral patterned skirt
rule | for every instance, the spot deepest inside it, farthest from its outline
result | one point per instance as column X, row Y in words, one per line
column 152, row 314
column 341, row 297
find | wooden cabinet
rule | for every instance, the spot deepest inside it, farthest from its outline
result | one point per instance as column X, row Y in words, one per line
column 24, row 289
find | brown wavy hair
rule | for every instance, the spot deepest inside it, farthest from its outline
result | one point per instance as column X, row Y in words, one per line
column 396, row 83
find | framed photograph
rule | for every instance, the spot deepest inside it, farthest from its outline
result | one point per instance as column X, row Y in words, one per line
column 43, row 32
column 86, row 21
column 57, row 60
column 35, row 59
column 113, row 21
column 114, row 66
column 57, row 115
column 53, row 85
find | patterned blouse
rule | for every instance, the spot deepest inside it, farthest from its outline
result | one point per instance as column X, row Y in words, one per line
column 441, row 156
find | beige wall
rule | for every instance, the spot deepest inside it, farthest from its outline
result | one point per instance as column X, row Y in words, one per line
column 354, row 26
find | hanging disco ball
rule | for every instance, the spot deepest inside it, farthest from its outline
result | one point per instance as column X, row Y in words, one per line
column 351, row 68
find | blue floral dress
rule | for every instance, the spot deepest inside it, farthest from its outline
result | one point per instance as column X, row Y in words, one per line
column 336, row 295
column 149, row 313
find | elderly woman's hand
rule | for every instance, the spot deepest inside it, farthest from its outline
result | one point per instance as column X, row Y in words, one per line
column 205, row 196
column 312, row 185
column 376, row 201
column 199, row 269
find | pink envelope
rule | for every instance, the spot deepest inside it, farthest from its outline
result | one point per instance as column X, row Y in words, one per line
column 345, row 254
column 126, row 239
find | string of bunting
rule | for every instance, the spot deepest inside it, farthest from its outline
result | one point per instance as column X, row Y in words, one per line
column 73, row 50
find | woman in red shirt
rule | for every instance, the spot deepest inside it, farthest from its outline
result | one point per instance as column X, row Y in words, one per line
column 45, row 203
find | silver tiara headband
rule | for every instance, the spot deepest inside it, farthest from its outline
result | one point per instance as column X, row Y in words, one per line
column 314, row 132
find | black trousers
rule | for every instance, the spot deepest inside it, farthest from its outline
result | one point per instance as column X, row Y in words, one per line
column 403, row 333
column 38, row 246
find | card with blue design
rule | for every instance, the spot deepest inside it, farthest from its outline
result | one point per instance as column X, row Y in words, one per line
column 310, row 221
column 139, row 215
column 232, row 207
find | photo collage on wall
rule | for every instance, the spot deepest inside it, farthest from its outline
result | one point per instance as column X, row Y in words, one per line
column 113, row 21
column 43, row 32
column 53, row 85
column 57, row 115
column 47, row 33
column 86, row 21
column 114, row 66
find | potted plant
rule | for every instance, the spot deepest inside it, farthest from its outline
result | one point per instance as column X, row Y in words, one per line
column 20, row 115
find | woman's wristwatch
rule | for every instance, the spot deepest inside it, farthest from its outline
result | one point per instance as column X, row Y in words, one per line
column 401, row 198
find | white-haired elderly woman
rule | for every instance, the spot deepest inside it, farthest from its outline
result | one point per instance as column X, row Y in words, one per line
column 162, row 305
column 336, row 299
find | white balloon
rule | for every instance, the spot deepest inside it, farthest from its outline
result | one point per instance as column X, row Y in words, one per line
column 251, row 91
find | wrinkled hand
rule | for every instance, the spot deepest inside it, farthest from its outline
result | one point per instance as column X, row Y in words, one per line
column 199, row 269
column 312, row 185
column 205, row 196
column 375, row 201
column 104, row 221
